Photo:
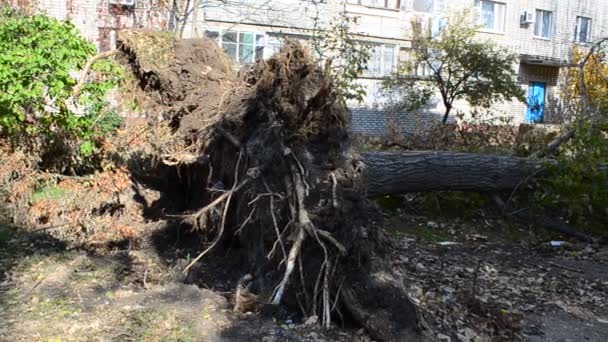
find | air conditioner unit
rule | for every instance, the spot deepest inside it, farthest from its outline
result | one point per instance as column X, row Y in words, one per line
column 528, row 18
column 129, row 3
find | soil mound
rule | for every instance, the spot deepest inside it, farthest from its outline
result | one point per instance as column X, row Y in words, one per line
column 181, row 76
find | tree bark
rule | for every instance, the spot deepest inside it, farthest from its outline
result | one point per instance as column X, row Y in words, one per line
column 402, row 172
column 446, row 114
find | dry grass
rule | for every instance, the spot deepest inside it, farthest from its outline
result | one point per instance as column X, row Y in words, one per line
column 154, row 49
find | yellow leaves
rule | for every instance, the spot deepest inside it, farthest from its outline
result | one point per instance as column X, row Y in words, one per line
column 596, row 77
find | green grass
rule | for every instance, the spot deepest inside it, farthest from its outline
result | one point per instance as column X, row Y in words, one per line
column 55, row 308
column 8, row 248
column 426, row 234
column 49, row 192
column 154, row 325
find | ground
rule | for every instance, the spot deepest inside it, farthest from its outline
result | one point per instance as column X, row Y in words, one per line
column 50, row 293
column 485, row 278
column 473, row 280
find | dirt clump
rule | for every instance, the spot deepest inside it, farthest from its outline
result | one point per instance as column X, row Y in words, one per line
column 180, row 76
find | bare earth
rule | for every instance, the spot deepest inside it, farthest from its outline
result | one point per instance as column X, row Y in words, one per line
column 470, row 289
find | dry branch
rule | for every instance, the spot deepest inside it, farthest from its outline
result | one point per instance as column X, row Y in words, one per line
column 85, row 72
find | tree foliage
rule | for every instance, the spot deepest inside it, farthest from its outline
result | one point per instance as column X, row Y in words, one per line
column 595, row 80
column 458, row 66
column 39, row 64
column 347, row 56
column 579, row 181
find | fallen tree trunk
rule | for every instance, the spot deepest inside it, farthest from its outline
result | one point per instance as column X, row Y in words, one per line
column 391, row 173
column 402, row 172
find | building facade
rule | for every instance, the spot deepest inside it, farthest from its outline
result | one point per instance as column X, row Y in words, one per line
column 541, row 32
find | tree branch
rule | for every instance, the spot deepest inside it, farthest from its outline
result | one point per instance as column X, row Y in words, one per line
column 83, row 78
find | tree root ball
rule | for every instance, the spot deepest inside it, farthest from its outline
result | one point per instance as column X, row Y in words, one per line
column 268, row 168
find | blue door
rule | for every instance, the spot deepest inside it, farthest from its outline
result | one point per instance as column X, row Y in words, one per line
column 536, row 102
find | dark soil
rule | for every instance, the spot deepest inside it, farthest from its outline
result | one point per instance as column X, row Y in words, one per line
column 194, row 78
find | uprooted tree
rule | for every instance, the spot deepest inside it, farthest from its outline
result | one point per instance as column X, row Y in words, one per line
column 265, row 162
column 265, row 157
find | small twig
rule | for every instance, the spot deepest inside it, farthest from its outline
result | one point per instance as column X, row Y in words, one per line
column 327, row 235
column 333, row 307
column 277, row 231
column 83, row 178
column 565, row 267
column 326, row 302
column 526, row 180
column 315, row 290
column 210, row 174
column 260, row 196
column 334, row 190
column 475, row 277
column 231, row 138
column 306, row 296
column 302, row 171
column 217, row 201
column 145, row 279
column 29, row 293
column 51, row 227
column 238, row 231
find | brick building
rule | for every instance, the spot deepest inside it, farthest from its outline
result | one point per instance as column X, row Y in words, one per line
column 541, row 32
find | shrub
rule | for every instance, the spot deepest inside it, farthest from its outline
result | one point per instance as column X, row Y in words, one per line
column 38, row 69
column 577, row 184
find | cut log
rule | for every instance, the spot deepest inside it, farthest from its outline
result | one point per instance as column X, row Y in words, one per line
column 402, row 172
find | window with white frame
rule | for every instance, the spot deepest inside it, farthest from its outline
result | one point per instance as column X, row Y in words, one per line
column 491, row 14
column 389, row 4
column 382, row 61
column 544, row 23
column 582, row 32
column 241, row 47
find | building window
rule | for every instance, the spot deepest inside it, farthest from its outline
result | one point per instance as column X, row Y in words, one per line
column 381, row 62
column 492, row 15
column 423, row 6
column 582, row 32
column 241, row 47
column 542, row 26
column 389, row 4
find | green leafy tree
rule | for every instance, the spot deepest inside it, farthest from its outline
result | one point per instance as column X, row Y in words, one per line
column 38, row 67
column 458, row 66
